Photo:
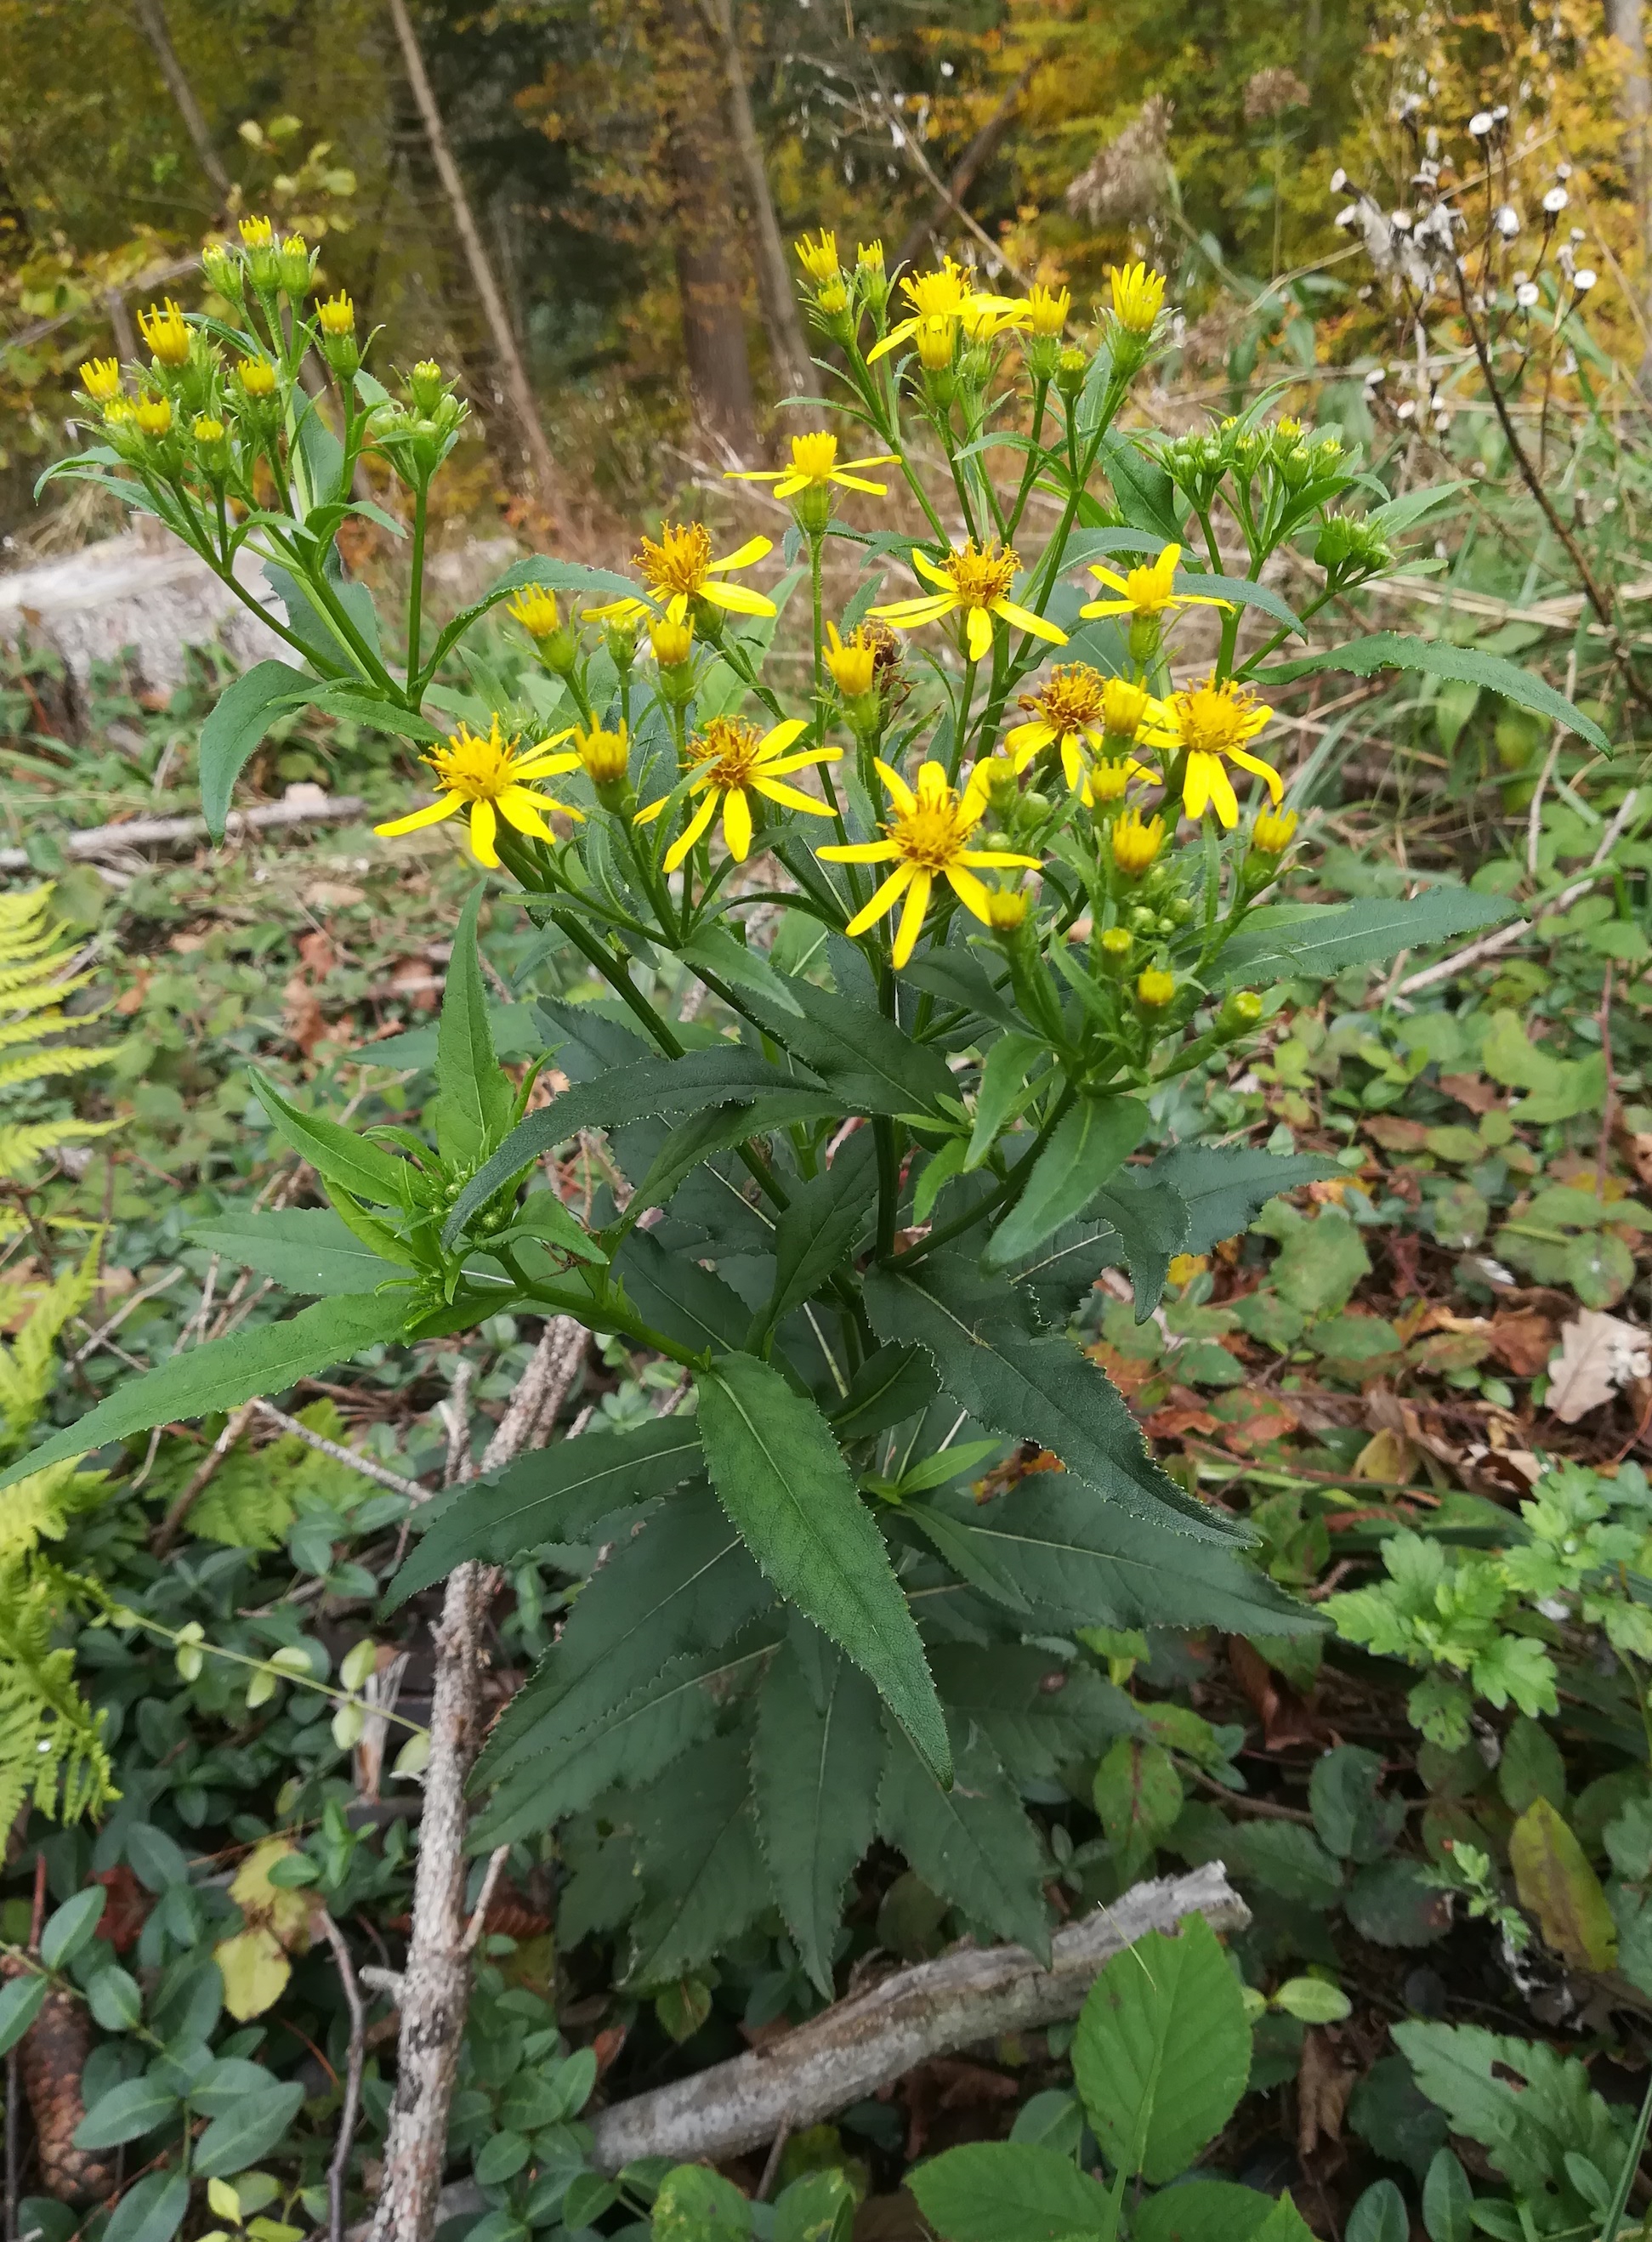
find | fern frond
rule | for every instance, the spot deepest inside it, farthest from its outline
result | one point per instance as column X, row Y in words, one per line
column 52, row 1743
column 39, row 1507
column 72, row 1058
column 22, row 1142
column 27, row 1362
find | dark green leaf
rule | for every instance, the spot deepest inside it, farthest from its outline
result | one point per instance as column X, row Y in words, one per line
column 1163, row 2051
column 473, row 1099
column 1390, row 1904
column 232, row 733
column 1389, row 650
column 1152, row 1219
column 1037, row 1714
column 554, row 1494
column 972, row 1844
column 716, row 948
column 1226, row 1186
column 136, row 2106
column 1202, row 2210
column 307, row 1249
column 1286, row 1860
column 20, row 2003
column 960, row 979
column 238, row 2138
column 227, row 1371
column 815, row 1234
column 703, row 1873
column 1354, row 1821
column 1266, row 950
column 1092, row 1140
column 1031, row 1388
column 1008, row 2192
column 152, row 2210
column 69, row 1928
column 714, row 1131
column 867, row 1061
column 1379, row 2215
column 674, row 1294
column 1448, row 2200
column 115, row 1999
column 815, row 1764
column 1065, row 1268
column 1145, row 494
column 779, row 1474
column 354, row 1163
column 894, row 1383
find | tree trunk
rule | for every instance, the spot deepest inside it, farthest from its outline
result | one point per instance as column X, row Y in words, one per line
column 513, row 374
column 153, row 17
column 1626, row 23
column 709, row 271
column 794, row 374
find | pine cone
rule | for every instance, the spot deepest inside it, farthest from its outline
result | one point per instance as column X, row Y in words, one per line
column 51, row 2059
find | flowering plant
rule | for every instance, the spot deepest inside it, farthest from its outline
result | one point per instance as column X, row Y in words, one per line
column 1025, row 855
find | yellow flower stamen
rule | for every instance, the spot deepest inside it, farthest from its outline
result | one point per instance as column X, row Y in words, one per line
column 728, row 762
column 1154, row 989
column 673, row 643
column 1066, row 713
column 818, row 256
column 207, row 430
column 1138, row 298
column 100, row 379
column 975, row 582
column 927, row 839
column 257, row 234
column 1210, row 725
column 257, row 377
column 163, row 328
column 1124, row 703
column 1047, row 309
column 605, row 757
column 1148, row 590
column 487, row 773
column 680, row 569
column 154, row 415
column 536, row 609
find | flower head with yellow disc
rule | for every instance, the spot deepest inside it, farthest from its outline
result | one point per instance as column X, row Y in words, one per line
column 927, row 839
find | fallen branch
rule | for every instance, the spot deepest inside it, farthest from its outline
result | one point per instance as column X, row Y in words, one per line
column 871, row 2039
column 163, row 832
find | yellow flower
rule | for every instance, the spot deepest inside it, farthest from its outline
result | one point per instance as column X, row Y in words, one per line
column 100, row 379
column 1067, row 712
column 813, row 464
column 1135, row 844
column 207, row 430
column 1138, row 298
column 927, row 838
column 731, row 762
column 1155, row 989
column 1046, row 309
column 1124, row 703
column 604, row 756
column 937, row 337
column 120, row 412
column 257, row 377
column 486, row 772
column 1006, row 908
column 164, row 329
column 868, row 257
column 1107, row 780
column 819, row 257
column 680, row 569
column 673, row 643
column 1148, row 589
column 536, row 610
column 976, row 582
column 257, row 234
column 852, row 661
column 832, row 297
column 1210, row 724
column 985, row 317
column 1273, row 832
column 154, row 415
column 946, row 294
column 337, row 316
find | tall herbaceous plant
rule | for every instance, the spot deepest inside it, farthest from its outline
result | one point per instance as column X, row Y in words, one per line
column 1024, row 857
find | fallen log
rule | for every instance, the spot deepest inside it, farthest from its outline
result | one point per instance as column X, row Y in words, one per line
column 311, row 807
column 872, row 2039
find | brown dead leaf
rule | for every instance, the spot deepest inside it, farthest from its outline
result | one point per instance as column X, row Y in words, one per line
column 1522, row 1341
column 1181, row 1414
column 1129, row 1373
column 1287, row 1718
column 1641, row 1153
column 949, row 2083
column 1323, row 2086
column 125, row 1910
column 1394, row 1133
column 1599, row 1354
column 1472, row 1090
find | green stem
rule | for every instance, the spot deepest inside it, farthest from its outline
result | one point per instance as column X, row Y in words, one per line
column 1007, row 1191
column 416, row 584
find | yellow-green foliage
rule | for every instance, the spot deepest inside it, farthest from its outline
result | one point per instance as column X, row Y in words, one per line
column 34, row 985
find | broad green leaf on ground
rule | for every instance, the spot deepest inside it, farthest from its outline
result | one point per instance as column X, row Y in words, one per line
column 20, row 2003
column 1390, row 650
column 782, row 1479
column 227, row 1371
column 1032, row 1388
column 1008, row 2192
column 683, row 1583
column 697, row 1840
column 1203, row 2211
column 814, row 1233
column 1555, row 1881
column 1525, row 2103
column 1227, row 1186
column 1137, row 1795
column 151, row 2211
column 234, row 731
column 1093, row 1138
column 554, row 1495
column 1353, row 1817
column 474, row 1100
column 306, row 1249
column 1163, row 2051
column 972, row 1844
column 1268, row 949
column 356, row 1164
column 656, row 1725
column 124, row 2112
column 238, row 2138
column 815, row 1764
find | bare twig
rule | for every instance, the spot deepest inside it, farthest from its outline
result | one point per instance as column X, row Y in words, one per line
column 867, row 2041
column 339, row 2170
column 167, row 1531
column 163, row 832
column 771, row 2162
column 380, row 1473
column 478, row 1923
column 105, row 1331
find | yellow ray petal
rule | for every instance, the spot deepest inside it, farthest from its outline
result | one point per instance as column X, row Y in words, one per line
column 1107, row 576
column 973, row 894
column 917, row 903
column 859, row 852
column 853, row 482
column 998, row 860
column 736, row 599
column 780, row 765
column 978, row 633
column 905, row 800
column 647, row 816
column 1222, row 795
column 483, row 829
column 737, row 824
column 876, row 459
column 776, row 790
column 776, row 743
column 1024, row 741
column 1093, row 608
column 893, row 340
column 753, row 549
column 432, row 814
column 909, row 614
column 885, row 900
column 697, row 825
column 753, row 475
column 1196, row 785
column 791, row 484
column 925, row 566
column 1249, row 762
column 518, row 808
column 1024, row 618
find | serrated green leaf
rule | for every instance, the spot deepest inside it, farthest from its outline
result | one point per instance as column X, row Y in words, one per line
column 1091, row 1141
column 703, row 1875
column 961, row 980
column 1163, row 2051
column 1008, row 2192
column 715, row 948
column 1225, row 1187
column 557, row 1493
column 1037, row 1714
column 227, row 1371
column 1266, row 950
column 781, row 1477
column 870, row 1064
column 1205, row 2211
column 972, row 1844
column 356, row 1164
column 1390, row 650
column 474, row 1100
column 703, row 1135
column 817, row 1760
column 1152, row 1220
column 234, row 730
column 674, row 1295
column 306, row 1249
column 1002, row 1093
column 816, row 1231
column 1523, row 2102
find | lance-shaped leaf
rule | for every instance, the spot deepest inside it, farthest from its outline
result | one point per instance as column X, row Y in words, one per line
column 815, row 1232
column 356, row 1164
column 893, row 1383
column 1152, row 1222
column 1282, row 940
column 1090, row 1142
column 1464, row 664
column 305, row 1249
column 1031, row 1388
column 972, row 1844
column 227, row 1371
column 782, row 1479
column 704, row 1134
column 1225, row 1187
column 674, row 1295
column 554, row 1494
column 474, row 1100
column 703, row 1873
column 872, row 1064
column 232, row 733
